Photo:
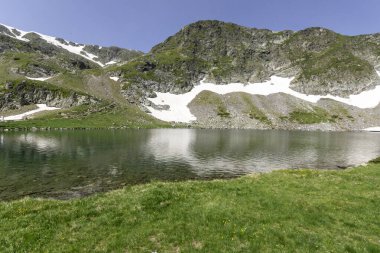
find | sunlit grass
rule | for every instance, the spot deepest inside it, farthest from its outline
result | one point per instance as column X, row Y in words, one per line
column 282, row 211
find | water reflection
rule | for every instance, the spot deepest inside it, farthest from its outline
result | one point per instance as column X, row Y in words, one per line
column 71, row 163
column 39, row 142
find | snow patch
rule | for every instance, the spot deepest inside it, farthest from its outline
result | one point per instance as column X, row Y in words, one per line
column 19, row 37
column 115, row 78
column 39, row 78
column 41, row 107
column 372, row 129
column 110, row 63
column 72, row 48
column 179, row 112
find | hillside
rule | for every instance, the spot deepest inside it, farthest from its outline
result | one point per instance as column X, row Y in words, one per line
column 40, row 69
column 321, row 60
column 339, row 70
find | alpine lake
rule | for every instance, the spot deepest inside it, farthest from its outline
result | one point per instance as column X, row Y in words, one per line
column 69, row 164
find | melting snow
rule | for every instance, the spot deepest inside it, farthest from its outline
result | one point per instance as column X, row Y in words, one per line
column 110, row 63
column 179, row 111
column 115, row 78
column 41, row 107
column 372, row 129
column 75, row 49
column 40, row 78
column 19, row 37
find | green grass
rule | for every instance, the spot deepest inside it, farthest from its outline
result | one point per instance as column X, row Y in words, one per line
column 69, row 81
column 222, row 112
column 375, row 161
column 282, row 211
column 101, row 116
column 222, row 67
column 317, row 115
column 213, row 99
column 22, row 109
column 253, row 111
column 26, row 61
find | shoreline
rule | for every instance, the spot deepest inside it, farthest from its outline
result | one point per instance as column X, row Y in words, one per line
column 65, row 195
column 34, row 129
column 284, row 211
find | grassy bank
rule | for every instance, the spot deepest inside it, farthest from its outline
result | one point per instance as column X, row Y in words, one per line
column 85, row 116
column 283, row 211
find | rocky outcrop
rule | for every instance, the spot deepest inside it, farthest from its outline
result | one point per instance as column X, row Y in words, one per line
column 278, row 111
column 112, row 54
column 17, row 94
column 52, row 46
column 322, row 61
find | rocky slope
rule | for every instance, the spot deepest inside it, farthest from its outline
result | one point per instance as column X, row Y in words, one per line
column 72, row 73
column 278, row 111
column 16, row 94
column 320, row 61
column 48, row 44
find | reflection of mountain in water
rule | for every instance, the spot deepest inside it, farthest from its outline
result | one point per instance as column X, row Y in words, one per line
column 242, row 151
column 54, row 163
column 206, row 152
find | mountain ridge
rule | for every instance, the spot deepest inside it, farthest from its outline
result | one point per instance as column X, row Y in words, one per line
column 86, row 51
column 319, row 62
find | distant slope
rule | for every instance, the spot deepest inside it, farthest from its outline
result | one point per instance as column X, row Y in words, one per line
column 40, row 69
column 97, row 54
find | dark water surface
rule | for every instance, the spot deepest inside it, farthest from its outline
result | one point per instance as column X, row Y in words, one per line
column 75, row 163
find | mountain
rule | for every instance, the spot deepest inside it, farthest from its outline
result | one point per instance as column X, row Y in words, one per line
column 94, row 53
column 40, row 69
column 311, row 79
column 322, row 61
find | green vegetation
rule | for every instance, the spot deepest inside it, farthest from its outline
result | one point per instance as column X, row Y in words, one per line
column 253, row 111
column 208, row 98
column 134, row 72
column 22, row 109
column 333, row 64
column 317, row 115
column 339, row 112
column 27, row 85
column 375, row 161
column 25, row 63
column 171, row 67
column 94, row 116
column 282, row 211
column 329, row 57
column 74, row 81
column 222, row 68
column 222, row 112
column 212, row 99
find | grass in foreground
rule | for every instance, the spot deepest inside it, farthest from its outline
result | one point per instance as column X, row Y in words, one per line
column 283, row 211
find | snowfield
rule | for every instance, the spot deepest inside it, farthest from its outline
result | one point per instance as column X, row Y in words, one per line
column 179, row 111
column 41, row 107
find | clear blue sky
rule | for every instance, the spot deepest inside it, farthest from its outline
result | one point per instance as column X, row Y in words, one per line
column 140, row 24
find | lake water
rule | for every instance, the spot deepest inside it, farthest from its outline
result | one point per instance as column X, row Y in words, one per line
column 75, row 163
